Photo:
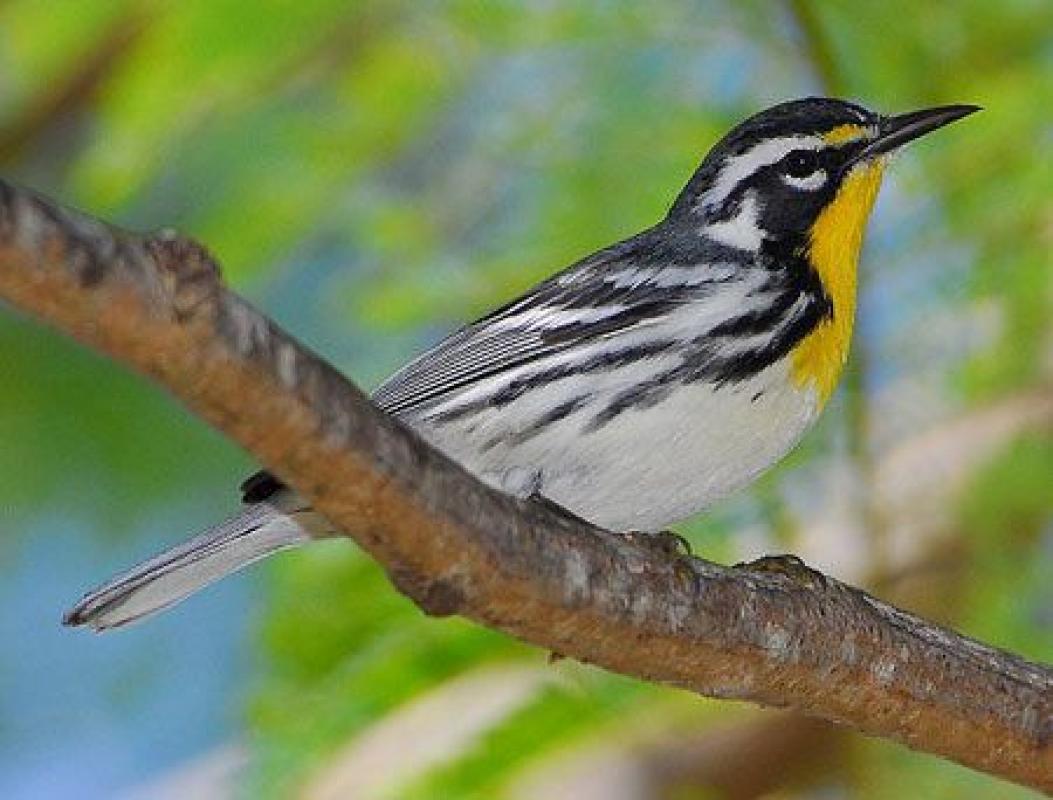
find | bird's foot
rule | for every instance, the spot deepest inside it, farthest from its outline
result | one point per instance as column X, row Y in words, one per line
column 667, row 543
column 787, row 565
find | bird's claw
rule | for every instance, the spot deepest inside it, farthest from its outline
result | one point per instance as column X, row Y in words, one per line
column 785, row 564
column 667, row 543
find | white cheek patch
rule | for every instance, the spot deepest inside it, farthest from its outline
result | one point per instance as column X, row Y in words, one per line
column 809, row 183
column 742, row 231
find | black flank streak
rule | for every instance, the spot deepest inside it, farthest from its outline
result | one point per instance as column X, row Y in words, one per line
column 598, row 363
column 515, row 389
column 703, row 359
column 758, row 320
column 551, row 417
column 646, row 394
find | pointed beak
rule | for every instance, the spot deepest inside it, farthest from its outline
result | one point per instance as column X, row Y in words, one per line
column 894, row 132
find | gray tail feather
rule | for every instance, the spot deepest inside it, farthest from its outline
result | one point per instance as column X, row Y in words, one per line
column 175, row 574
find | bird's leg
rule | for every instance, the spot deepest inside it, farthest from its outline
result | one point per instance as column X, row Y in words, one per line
column 552, row 505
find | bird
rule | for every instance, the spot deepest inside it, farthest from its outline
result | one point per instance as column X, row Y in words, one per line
column 646, row 381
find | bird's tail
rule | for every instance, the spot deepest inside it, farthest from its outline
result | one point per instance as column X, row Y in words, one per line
column 174, row 575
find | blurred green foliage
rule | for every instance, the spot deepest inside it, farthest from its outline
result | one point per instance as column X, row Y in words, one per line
column 396, row 167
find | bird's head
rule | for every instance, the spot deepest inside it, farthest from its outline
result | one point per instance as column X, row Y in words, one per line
column 800, row 171
column 794, row 186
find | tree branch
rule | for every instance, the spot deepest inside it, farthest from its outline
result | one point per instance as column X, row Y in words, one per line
column 773, row 632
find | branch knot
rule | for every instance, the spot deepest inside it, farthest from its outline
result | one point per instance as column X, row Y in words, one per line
column 190, row 273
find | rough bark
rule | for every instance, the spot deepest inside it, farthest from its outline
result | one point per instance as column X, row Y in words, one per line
column 773, row 632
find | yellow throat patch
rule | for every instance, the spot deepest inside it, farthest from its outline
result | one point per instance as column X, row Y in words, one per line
column 835, row 241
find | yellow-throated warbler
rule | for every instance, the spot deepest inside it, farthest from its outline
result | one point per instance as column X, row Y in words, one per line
column 648, row 380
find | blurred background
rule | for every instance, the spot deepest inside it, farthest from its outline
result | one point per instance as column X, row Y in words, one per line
column 372, row 174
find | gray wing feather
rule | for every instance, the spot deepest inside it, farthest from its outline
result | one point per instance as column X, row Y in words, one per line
column 497, row 343
column 472, row 353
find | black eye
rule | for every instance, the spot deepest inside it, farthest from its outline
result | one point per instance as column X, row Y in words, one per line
column 801, row 163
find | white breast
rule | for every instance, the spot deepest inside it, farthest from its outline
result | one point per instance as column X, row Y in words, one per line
column 646, row 468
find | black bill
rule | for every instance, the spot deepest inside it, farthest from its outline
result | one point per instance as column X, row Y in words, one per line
column 894, row 132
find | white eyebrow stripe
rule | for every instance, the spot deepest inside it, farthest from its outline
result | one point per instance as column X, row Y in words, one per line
column 760, row 155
